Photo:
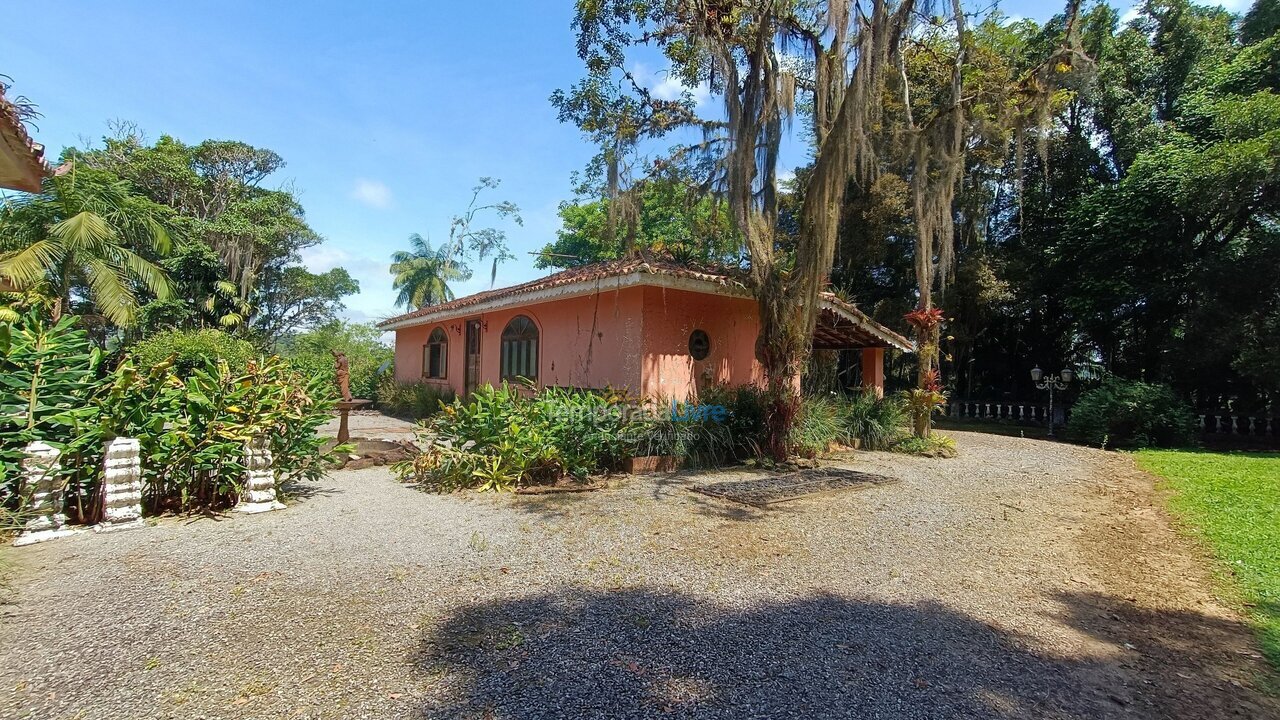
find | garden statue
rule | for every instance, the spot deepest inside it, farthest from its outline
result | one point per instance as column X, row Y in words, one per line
column 343, row 373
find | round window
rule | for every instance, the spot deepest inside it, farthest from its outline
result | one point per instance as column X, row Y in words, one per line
column 699, row 345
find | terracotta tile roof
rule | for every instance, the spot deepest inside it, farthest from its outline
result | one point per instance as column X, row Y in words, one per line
column 862, row 326
column 26, row 167
column 593, row 271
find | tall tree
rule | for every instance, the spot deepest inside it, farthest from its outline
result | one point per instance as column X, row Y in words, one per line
column 422, row 274
column 221, row 206
column 88, row 235
column 844, row 66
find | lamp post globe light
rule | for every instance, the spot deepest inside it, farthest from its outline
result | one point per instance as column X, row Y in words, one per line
column 1051, row 383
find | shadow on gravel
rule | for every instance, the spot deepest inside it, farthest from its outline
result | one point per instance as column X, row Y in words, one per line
column 302, row 491
column 642, row 654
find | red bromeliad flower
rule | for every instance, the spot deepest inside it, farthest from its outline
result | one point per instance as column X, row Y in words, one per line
column 923, row 319
column 933, row 381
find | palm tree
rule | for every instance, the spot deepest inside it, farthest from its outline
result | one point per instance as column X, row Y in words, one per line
column 423, row 275
column 86, row 234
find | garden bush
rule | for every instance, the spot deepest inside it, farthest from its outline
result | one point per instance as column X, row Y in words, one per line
column 745, row 423
column 820, row 423
column 368, row 359
column 192, row 430
column 700, row 433
column 501, row 439
column 418, row 400
column 878, row 423
column 1128, row 413
column 935, row 445
column 49, row 374
column 191, row 349
column 192, row 424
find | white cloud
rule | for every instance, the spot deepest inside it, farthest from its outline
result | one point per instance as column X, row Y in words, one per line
column 372, row 193
column 374, row 301
column 666, row 86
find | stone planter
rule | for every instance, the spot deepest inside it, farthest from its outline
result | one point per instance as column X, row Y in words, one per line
column 648, row 464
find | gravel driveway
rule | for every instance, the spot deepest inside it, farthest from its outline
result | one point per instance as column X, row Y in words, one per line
column 1023, row 579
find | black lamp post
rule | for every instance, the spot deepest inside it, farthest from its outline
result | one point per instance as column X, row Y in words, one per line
column 1051, row 383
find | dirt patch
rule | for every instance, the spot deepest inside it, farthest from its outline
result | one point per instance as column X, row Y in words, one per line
column 1167, row 616
column 766, row 491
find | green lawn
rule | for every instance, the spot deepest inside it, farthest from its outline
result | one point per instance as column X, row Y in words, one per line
column 1232, row 501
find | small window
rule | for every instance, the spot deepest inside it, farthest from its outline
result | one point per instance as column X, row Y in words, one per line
column 435, row 355
column 520, row 349
column 699, row 345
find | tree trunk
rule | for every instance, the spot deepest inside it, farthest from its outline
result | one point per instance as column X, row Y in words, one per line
column 782, row 348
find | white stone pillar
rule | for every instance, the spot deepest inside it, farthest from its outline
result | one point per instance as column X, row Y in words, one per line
column 40, row 477
column 259, row 494
column 121, row 486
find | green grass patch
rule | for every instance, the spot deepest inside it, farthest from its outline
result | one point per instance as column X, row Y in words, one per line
column 1232, row 501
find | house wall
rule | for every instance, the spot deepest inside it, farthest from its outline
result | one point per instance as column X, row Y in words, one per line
column 588, row 341
column 670, row 316
column 635, row 339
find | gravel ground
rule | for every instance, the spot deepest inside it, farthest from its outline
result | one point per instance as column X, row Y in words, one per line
column 1023, row 579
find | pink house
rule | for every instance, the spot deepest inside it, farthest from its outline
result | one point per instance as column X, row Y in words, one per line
column 655, row 329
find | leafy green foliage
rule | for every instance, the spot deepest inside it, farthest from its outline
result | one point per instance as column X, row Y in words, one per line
column 193, row 429
column 48, row 376
column 501, row 439
column 87, row 236
column 878, row 423
column 238, row 243
column 1126, row 413
column 422, row 274
column 294, row 298
column 418, row 400
column 1232, row 502
column 190, row 350
column 369, row 360
column 819, row 424
column 673, row 218
column 192, row 423
column 935, row 445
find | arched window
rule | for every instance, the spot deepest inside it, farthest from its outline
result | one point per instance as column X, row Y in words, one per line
column 435, row 355
column 520, row 349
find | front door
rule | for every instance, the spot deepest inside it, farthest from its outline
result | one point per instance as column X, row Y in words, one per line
column 471, row 378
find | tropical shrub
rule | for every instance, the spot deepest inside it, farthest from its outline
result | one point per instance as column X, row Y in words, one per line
column 875, row 421
column 700, row 434
column 192, row 429
column 192, row 425
column 1128, row 413
column 48, row 377
column 935, row 445
column 189, row 350
column 744, row 425
column 418, row 400
column 501, row 439
column 820, row 423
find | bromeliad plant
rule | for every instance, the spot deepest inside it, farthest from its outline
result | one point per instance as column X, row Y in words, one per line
column 927, row 396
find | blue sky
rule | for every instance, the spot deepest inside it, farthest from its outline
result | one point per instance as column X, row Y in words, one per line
column 386, row 112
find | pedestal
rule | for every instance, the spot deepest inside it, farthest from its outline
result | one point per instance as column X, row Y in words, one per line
column 259, row 493
column 122, row 486
column 345, row 407
column 40, row 467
